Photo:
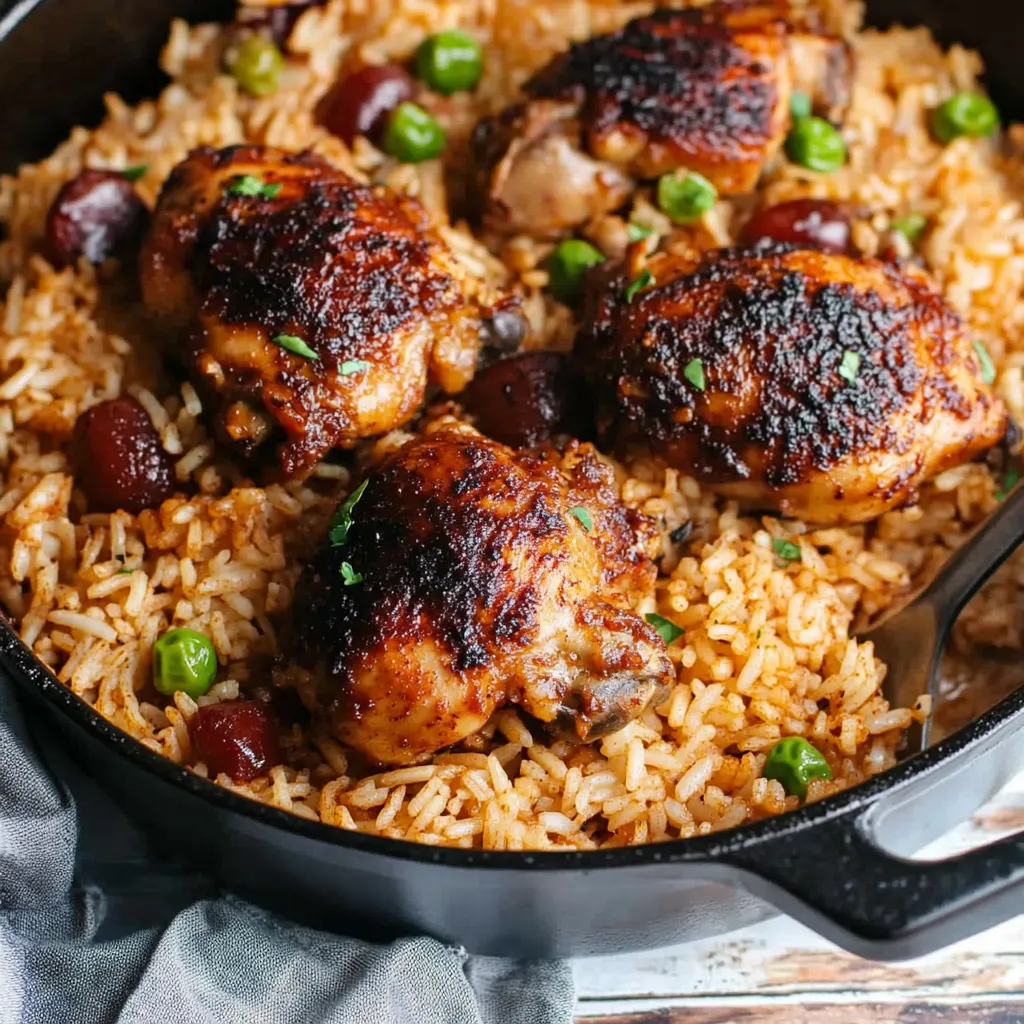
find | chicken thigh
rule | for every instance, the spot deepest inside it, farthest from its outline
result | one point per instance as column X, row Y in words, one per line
column 826, row 387
column 311, row 306
column 707, row 89
column 469, row 576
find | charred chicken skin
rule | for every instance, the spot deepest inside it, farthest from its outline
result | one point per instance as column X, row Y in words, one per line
column 479, row 588
column 250, row 244
column 826, row 387
column 707, row 89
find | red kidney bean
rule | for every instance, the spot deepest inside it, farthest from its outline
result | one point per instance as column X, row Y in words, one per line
column 119, row 460
column 238, row 738
column 95, row 214
column 816, row 223
column 524, row 400
column 359, row 103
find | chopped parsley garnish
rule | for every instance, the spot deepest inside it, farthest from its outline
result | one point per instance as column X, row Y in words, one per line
column 341, row 521
column 910, row 227
column 1010, row 479
column 694, row 373
column 643, row 280
column 668, row 631
column 126, row 571
column 350, row 366
column 850, row 365
column 250, row 185
column 583, row 516
column 988, row 369
column 134, row 173
column 349, row 575
column 799, row 104
column 295, row 344
column 638, row 232
column 787, row 550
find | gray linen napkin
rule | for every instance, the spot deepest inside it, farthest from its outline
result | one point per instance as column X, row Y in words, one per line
column 119, row 935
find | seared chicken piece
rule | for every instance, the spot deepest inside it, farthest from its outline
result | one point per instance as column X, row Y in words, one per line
column 707, row 89
column 480, row 587
column 820, row 385
column 251, row 244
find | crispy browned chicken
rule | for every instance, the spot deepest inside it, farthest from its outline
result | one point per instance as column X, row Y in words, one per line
column 311, row 306
column 817, row 384
column 707, row 89
column 467, row 582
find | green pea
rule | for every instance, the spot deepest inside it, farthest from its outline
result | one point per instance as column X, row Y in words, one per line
column 257, row 66
column 685, row 199
column 965, row 113
column 567, row 265
column 449, row 62
column 412, row 135
column 815, row 144
column 184, row 660
column 794, row 762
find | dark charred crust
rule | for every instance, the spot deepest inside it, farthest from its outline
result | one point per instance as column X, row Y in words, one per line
column 679, row 77
column 340, row 265
column 354, row 272
column 433, row 535
column 771, row 327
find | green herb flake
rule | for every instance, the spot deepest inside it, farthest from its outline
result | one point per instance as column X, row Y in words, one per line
column 911, row 227
column 126, row 571
column 134, row 173
column 1010, row 479
column 667, row 630
column 250, row 185
column 583, row 516
column 349, row 575
column 988, row 369
column 341, row 521
column 350, row 366
column 799, row 104
column 787, row 550
column 850, row 365
column 292, row 343
column 643, row 280
column 638, row 232
column 694, row 373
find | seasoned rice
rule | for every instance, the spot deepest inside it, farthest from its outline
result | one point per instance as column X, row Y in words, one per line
column 767, row 650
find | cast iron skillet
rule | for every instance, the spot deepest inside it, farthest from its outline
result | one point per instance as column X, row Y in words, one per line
column 838, row 865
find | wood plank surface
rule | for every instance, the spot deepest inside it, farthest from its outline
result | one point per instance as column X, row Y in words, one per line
column 862, row 1013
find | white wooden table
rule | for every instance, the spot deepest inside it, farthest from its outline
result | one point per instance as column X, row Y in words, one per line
column 778, row 972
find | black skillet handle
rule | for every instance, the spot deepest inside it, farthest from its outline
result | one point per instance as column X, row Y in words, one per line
column 844, row 874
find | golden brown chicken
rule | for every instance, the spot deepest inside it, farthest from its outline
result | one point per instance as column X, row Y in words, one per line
column 311, row 306
column 471, row 577
column 707, row 89
column 817, row 384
